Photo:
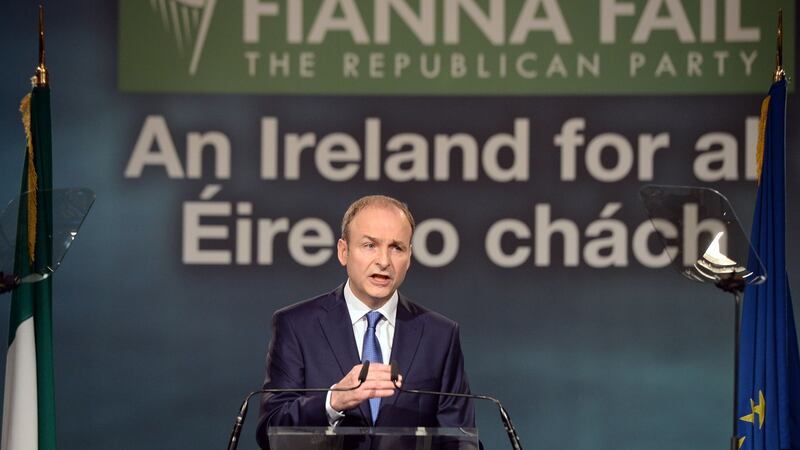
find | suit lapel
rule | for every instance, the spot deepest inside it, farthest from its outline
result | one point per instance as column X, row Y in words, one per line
column 338, row 330
column 407, row 335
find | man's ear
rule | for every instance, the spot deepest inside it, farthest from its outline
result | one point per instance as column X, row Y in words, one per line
column 341, row 251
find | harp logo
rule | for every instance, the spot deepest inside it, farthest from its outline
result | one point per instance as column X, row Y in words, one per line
column 188, row 22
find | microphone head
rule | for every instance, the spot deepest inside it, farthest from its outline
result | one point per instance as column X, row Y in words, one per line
column 395, row 371
column 362, row 376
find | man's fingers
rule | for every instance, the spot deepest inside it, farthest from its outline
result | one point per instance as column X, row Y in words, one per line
column 379, row 375
column 381, row 393
column 367, row 393
column 370, row 389
column 377, row 385
column 374, row 368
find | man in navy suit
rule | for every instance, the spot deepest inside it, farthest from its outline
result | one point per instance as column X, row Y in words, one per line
column 322, row 342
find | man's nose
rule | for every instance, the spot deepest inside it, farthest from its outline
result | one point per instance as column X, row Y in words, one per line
column 383, row 259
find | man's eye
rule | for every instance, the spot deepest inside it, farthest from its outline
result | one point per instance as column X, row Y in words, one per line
column 369, row 245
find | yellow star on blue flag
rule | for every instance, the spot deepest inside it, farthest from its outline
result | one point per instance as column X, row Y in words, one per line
column 757, row 410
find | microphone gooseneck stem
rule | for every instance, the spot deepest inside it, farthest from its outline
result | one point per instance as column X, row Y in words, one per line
column 233, row 442
column 512, row 432
column 513, row 437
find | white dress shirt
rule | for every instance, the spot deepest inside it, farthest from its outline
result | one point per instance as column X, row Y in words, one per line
column 384, row 330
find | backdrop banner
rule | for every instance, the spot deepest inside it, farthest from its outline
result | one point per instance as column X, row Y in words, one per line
column 225, row 139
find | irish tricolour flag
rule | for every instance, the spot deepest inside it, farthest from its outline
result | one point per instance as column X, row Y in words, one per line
column 29, row 404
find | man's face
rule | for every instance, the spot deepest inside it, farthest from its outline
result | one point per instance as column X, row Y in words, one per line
column 377, row 253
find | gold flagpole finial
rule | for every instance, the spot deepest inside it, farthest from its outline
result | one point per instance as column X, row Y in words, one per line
column 42, row 78
column 779, row 72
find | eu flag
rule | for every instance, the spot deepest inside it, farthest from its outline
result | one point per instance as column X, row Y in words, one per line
column 768, row 403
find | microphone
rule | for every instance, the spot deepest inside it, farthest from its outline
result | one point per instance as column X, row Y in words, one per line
column 233, row 442
column 513, row 437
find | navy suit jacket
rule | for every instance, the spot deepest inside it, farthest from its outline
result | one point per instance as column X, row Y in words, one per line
column 313, row 346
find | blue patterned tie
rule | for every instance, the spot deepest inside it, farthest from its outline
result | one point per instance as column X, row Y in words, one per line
column 372, row 352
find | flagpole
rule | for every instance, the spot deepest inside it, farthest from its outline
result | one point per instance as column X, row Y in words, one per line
column 42, row 78
column 780, row 74
column 737, row 296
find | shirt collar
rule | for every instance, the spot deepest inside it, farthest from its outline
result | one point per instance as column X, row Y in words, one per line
column 357, row 309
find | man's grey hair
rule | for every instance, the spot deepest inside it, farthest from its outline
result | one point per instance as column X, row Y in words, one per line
column 380, row 201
